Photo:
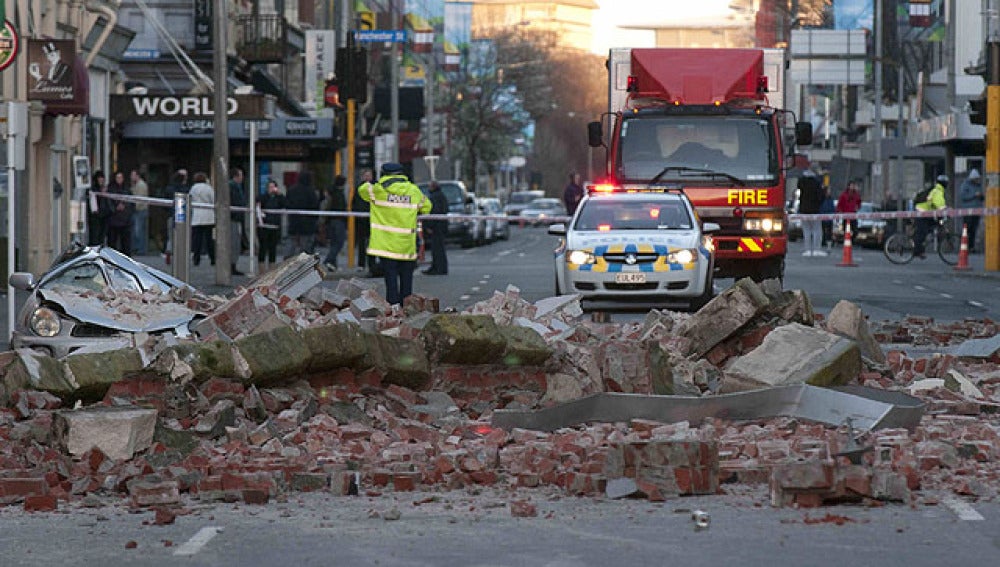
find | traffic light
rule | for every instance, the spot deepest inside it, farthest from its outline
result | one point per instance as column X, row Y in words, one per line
column 352, row 73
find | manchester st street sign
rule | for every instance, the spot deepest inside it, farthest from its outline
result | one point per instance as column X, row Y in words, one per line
column 135, row 108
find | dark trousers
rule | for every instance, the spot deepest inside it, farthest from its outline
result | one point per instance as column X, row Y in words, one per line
column 95, row 230
column 972, row 223
column 269, row 238
column 201, row 240
column 398, row 279
column 827, row 232
column 923, row 227
column 439, row 261
column 120, row 238
column 336, row 233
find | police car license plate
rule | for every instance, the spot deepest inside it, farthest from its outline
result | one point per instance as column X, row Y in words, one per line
column 630, row 277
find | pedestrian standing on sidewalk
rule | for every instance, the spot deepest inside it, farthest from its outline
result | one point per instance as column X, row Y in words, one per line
column 140, row 231
column 437, row 229
column 302, row 228
column 96, row 229
column 202, row 219
column 334, row 228
column 810, row 199
column 362, row 227
column 269, row 224
column 849, row 202
column 573, row 193
column 395, row 203
column 827, row 207
column 971, row 196
column 237, row 198
column 119, row 214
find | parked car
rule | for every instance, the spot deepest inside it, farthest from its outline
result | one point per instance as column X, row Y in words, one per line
column 545, row 208
column 460, row 203
column 490, row 206
column 871, row 232
column 65, row 311
column 519, row 200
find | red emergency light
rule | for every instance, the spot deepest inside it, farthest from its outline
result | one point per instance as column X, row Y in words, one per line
column 633, row 84
column 762, row 84
column 604, row 228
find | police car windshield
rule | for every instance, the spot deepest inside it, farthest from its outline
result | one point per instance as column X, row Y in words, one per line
column 739, row 146
column 612, row 214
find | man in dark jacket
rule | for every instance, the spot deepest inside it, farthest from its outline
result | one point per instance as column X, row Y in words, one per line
column 437, row 230
column 302, row 228
column 573, row 193
column 119, row 216
column 237, row 198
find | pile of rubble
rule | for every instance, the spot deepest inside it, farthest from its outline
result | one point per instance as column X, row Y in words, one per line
column 291, row 386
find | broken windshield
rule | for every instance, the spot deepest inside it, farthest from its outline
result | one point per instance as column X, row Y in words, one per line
column 733, row 146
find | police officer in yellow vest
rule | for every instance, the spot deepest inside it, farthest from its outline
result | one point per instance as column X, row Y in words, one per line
column 395, row 204
column 935, row 201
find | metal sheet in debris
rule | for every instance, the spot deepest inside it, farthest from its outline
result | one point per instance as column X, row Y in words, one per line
column 867, row 408
column 978, row 348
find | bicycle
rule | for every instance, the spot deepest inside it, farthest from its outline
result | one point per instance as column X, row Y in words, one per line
column 899, row 247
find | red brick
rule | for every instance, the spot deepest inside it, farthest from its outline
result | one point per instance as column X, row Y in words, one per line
column 218, row 386
column 255, row 496
column 405, row 481
column 523, row 509
column 808, row 500
column 40, row 503
column 23, row 487
column 163, row 516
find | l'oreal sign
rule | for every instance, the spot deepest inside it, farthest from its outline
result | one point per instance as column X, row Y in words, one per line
column 131, row 108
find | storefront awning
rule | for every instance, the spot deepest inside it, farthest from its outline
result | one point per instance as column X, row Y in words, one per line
column 280, row 128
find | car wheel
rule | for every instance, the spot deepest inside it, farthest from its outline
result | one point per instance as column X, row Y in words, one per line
column 773, row 268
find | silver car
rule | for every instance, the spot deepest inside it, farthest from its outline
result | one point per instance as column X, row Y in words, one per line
column 73, row 305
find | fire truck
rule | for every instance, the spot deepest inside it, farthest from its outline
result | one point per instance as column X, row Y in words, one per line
column 710, row 122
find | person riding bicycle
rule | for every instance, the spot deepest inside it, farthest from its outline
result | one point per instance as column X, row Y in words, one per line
column 935, row 201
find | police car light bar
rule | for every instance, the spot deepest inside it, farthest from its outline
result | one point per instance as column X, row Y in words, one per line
column 609, row 189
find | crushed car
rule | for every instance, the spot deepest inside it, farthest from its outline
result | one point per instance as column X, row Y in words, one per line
column 97, row 299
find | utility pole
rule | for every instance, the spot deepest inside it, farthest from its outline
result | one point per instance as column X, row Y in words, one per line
column 878, row 187
column 220, row 151
column 394, row 80
column 992, row 166
column 900, row 132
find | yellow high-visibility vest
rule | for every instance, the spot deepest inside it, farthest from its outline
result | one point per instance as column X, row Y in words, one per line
column 395, row 204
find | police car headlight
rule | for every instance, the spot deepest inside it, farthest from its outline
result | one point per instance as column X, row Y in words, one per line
column 684, row 256
column 580, row 257
column 45, row 322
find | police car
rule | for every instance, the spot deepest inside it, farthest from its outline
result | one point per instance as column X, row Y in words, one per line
column 635, row 245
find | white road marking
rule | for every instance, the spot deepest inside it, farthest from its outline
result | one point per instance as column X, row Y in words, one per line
column 919, row 288
column 504, row 252
column 464, row 297
column 947, row 295
column 521, row 254
column 475, row 288
column 487, row 276
column 975, row 303
column 962, row 509
column 198, row 540
column 482, row 282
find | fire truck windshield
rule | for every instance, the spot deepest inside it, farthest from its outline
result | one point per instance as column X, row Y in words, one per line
column 743, row 147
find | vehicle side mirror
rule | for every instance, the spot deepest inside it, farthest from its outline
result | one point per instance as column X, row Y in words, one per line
column 803, row 134
column 558, row 229
column 595, row 135
column 24, row 281
column 710, row 227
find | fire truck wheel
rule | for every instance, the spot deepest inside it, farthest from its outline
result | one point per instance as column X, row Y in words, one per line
column 770, row 269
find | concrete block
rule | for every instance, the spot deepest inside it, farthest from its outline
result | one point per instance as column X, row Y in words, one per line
column 275, row 356
column 793, row 354
column 93, row 374
column 525, row 346
column 847, row 320
column 335, row 346
column 463, row 339
column 402, row 362
column 118, row 431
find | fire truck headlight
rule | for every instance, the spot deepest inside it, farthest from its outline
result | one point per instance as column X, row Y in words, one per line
column 580, row 257
column 764, row 224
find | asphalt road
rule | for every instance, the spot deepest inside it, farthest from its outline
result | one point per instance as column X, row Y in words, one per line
column 476, row 529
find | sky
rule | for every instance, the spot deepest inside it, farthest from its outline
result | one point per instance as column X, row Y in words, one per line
column 619, row 12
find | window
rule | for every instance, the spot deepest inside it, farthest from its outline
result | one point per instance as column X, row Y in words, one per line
column 79, row 277
column 633, row 215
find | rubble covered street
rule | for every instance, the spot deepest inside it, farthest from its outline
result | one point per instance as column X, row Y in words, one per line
column 290, row 387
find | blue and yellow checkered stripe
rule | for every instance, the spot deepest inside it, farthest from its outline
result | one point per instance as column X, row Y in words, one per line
column 659, row 265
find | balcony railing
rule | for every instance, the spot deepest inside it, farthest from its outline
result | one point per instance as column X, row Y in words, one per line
column 262, row 38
